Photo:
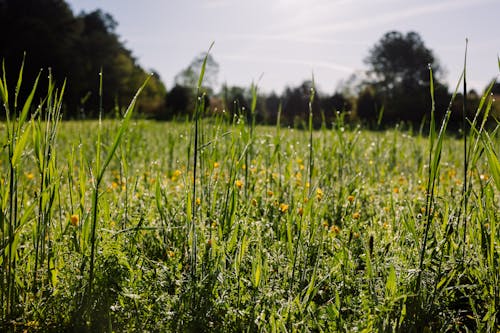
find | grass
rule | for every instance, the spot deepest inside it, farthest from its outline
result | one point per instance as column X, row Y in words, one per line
column 229, row 227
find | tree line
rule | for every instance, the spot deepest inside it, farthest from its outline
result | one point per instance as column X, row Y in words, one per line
column 76, row 48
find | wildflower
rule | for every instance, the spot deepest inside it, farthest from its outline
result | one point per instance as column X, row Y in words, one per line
column 30, row 175
column 176, row 174
column 356, row 215
column 284, row 207
column 216, row 165
column 300, row 211
column 171, row 254
column 483, row 177
column 334, row 229
column 396, row 190
column 114, row 185
column 319, row 194
column 238, row 183
column 254, row 202
column 198, row 201
column 386, row 225
column 210, row 243
column 74, row 219
column 269, row 193
column 350, row 198
column 325, row 224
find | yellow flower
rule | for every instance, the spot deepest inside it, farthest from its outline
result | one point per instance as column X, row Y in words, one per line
column 319, row 194
column 30, row 175
column 269, row 193
column 284, row 207
column 176, row 174
column 334, row 229
column 356, row 215
column 396, row 190
column 350, row 198
column 198, row 201
column 216, row 165
column 238, row 183
column 74, row 219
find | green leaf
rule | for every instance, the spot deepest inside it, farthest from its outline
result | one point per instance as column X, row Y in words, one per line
column 202, row 72
column 27, row 103
column 493, row 162
column 121, row 131
column 20, row 145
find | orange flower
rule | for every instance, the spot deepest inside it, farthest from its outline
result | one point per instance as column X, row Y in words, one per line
column 74, row 219
column 356, row 215
column 350, row 198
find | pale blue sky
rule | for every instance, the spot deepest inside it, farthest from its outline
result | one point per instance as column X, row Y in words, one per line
column 288, row 40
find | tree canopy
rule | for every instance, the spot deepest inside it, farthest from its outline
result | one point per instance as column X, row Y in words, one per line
column 76, row 49
column 400, row 78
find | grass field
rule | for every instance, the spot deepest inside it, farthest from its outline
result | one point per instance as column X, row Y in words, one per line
column 224, row 226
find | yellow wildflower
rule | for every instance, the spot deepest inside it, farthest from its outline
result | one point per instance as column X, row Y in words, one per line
column 284, row 207
column 319, row 194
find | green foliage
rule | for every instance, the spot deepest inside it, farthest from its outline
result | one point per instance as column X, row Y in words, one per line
column 86, row 44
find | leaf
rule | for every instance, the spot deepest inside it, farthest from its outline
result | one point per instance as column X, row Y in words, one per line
column 27, row 103
column 121, row 131
column 20, row 145
column 202, row 72
column 493, row 162
column 391, row 283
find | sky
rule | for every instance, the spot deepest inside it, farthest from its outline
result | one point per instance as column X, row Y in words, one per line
column 279, row 43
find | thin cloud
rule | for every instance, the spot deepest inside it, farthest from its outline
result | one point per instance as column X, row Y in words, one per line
column 214, row 4
column 313, row 64
column 367, row 22
column 292, row 38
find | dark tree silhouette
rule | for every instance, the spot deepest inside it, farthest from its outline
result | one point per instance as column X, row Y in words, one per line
column 75, row 48
column 399, row 73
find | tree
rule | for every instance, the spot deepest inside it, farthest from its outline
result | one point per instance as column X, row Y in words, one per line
column 179, row 101
column 188, row 77
column 399, row 72
column 75, row 48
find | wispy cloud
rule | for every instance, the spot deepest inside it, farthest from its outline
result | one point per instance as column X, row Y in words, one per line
column 292, row 37
column 388, row 17
column 215, row 4
column 313, row 64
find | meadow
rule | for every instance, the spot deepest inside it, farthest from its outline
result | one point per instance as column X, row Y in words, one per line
column 222, row 225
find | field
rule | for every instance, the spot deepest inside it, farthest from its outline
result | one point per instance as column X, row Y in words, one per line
column 216, row 225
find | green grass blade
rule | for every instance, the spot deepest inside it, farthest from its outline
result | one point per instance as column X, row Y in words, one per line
column 121, row 130
column 21, row 145
column 27, row 104
column 202, row 72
